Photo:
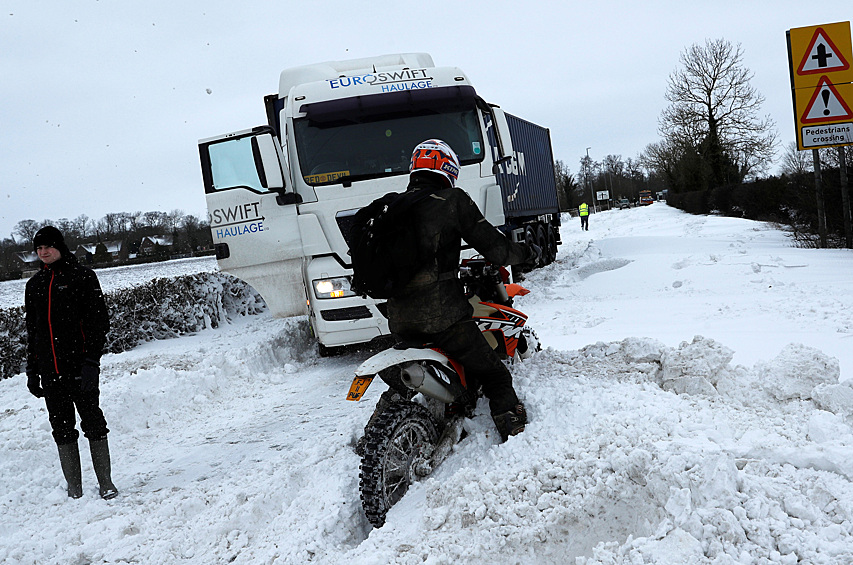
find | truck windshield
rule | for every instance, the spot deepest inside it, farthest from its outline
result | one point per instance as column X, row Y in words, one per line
column 373, row 146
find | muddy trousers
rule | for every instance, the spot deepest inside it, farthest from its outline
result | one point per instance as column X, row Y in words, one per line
column 463, row 342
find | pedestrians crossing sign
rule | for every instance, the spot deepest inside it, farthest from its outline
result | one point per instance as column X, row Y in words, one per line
column 826, row 104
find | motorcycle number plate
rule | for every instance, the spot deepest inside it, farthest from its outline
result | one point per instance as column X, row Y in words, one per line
column 358, row 387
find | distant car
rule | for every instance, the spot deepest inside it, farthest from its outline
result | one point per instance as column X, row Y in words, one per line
column 624, row 203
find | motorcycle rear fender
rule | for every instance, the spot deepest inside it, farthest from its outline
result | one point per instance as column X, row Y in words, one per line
column 391, row 357
column 514, row 290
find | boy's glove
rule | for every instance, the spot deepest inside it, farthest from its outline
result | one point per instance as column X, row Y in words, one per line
column 89, row 375
column 34, row 384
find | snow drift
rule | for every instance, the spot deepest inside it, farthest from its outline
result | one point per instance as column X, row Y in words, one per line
column 731, row 443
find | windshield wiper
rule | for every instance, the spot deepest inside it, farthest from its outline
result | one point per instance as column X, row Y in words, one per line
column 347, row 180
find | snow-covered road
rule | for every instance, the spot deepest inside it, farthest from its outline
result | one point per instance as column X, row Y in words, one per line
column 646, row 444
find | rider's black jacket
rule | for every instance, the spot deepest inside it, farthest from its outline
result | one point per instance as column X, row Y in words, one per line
column 67, row 319
column 435, row 298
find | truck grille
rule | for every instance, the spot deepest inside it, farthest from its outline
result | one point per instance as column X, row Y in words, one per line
column 339, row 314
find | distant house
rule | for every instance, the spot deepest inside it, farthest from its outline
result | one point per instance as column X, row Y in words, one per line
column 29, row 263
column 88, row 252
column 84, row 255
column 152, row 243
column 29, row 259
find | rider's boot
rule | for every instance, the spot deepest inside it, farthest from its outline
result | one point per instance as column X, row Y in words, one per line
column 511, row 422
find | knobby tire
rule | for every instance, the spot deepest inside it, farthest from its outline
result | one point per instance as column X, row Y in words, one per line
column 401, row 436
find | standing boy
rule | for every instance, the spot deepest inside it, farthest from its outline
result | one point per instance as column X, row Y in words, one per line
column 67, row 324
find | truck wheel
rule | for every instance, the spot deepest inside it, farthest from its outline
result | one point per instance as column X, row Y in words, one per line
column 542, row 242
column 552, row 244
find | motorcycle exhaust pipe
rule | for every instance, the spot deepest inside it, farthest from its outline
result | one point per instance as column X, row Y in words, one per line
column 500, row 290
column 418, row 378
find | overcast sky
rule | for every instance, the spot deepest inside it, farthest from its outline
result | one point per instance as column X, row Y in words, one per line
column 102, row 102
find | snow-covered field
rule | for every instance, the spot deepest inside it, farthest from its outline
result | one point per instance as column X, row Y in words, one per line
column 114, row 278
column 647, row 444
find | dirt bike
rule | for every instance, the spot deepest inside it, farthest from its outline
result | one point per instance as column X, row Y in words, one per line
column 406, row 439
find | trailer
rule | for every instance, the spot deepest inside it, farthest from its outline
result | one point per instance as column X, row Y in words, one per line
column 340, row 134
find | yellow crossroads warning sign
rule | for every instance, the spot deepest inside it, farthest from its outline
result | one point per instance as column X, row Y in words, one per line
column 821, row 50
column 819, row 59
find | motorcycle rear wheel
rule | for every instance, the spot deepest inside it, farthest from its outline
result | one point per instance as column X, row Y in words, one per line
column 398, row 446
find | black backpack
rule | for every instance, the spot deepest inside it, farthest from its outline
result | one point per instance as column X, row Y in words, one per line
column 384, row 245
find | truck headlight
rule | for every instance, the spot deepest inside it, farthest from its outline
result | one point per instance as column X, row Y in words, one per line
column 337, row 287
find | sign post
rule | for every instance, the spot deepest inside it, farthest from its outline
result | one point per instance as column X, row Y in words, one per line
column 819, row 59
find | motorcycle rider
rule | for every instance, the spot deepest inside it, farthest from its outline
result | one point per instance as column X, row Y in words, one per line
column 432, row 308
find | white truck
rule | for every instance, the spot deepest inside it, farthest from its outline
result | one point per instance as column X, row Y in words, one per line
column 339, row 135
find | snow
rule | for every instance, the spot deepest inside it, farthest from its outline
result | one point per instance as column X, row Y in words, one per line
column 693, row 405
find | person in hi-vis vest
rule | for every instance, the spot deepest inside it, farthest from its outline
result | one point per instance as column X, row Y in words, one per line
column 583, row 211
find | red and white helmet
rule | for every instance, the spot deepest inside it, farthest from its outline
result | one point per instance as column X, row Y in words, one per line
column 436, row 156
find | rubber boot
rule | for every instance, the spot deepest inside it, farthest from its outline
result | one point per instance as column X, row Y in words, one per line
column 69, row 460
column 100, row 450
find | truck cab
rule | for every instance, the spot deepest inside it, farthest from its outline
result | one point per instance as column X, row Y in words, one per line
column 339, row 135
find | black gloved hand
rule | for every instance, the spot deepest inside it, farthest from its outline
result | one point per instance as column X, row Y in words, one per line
column 34, row 384
column 535, row 256
column 89, row 375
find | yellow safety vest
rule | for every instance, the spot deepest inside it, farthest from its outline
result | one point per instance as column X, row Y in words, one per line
column 583, row 210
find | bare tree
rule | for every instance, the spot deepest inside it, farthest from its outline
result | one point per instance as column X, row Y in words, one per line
column 135, row 221
column 633, row 168
column 26, row 230
column 587, row 168
column 81, row 226
column 612, row 169
column 794, row 161
column 156, row 220
column 173, row 220
column 566, row 185
column 110, row 226
column 715, row 109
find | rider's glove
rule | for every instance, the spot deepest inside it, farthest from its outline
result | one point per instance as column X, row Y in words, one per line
column 534, row 258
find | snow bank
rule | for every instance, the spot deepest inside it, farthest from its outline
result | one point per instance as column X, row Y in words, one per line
column 659, row 446
column 613, row 452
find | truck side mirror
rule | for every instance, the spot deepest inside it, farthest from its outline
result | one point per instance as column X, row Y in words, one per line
column 505, row 152
column 267, row 162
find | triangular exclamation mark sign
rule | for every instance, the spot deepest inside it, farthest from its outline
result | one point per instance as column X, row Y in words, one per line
column 822, row 56
column 826, row 105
